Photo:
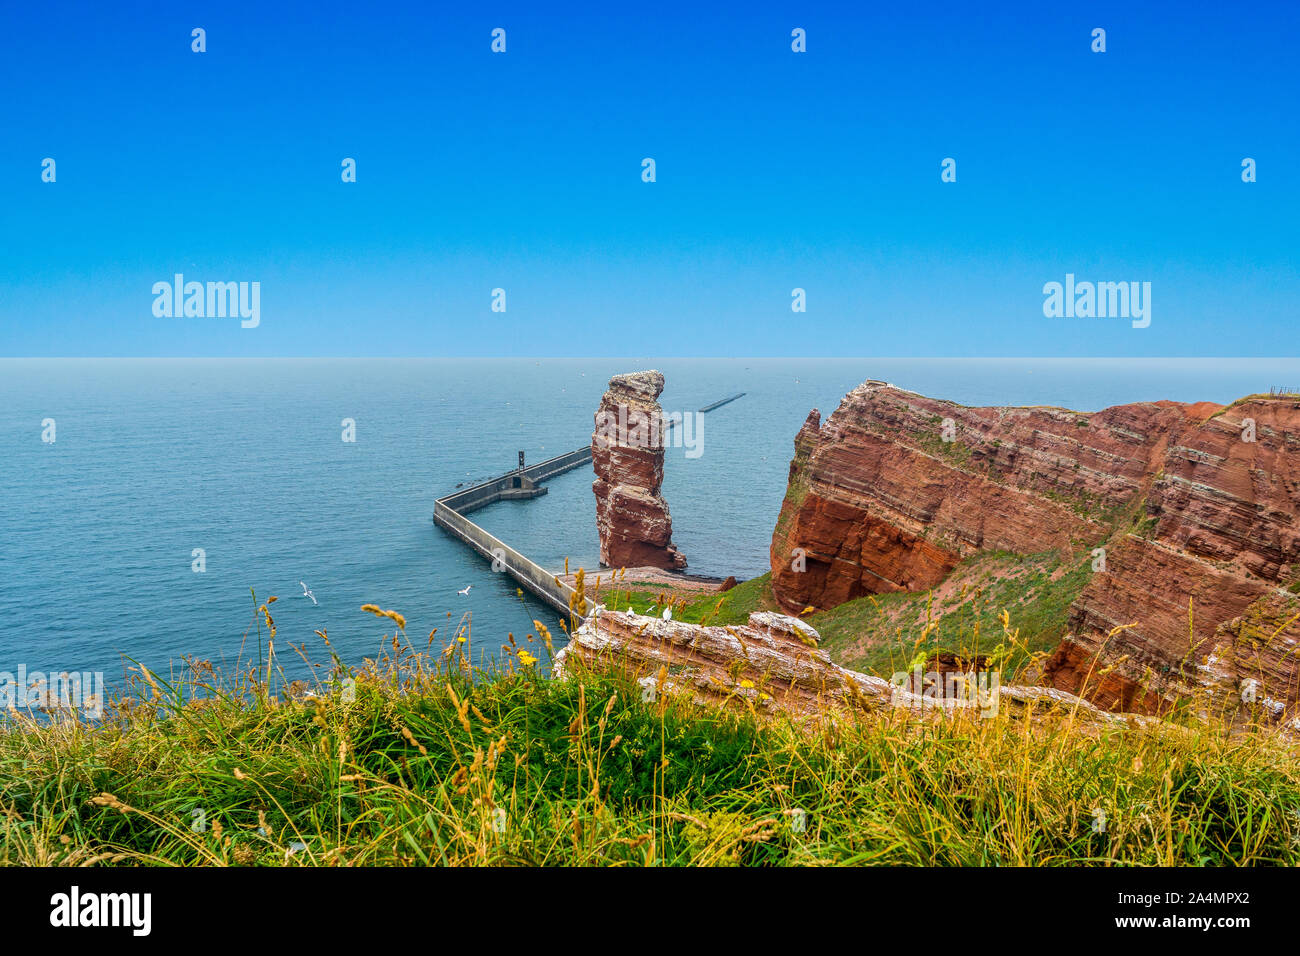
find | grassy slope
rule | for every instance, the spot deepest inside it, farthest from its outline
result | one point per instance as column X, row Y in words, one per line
column 883, row 633
column 730, row 607
column 426, row 765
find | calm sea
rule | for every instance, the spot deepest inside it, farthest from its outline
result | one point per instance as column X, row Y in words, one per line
column 244, row 459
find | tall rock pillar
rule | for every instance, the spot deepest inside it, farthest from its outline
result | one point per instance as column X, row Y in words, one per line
column 627, row 450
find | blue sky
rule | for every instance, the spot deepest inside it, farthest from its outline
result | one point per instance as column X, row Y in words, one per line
column 775, row 170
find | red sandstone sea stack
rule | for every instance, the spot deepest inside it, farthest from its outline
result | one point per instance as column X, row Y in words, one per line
column 627, row 450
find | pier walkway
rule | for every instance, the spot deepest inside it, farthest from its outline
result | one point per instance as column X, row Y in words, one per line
column 449, row 513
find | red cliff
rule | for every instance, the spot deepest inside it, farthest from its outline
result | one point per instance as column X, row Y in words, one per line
column 895, row 489
column 1210, row 586
column 627, row 449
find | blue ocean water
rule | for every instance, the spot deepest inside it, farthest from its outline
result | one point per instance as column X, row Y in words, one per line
column 245, row 460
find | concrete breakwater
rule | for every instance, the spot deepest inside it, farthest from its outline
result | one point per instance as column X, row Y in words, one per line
column 524, row 482
column 720, row 402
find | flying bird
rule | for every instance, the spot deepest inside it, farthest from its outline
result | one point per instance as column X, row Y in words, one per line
column 668, row 614
column 464, row 592
column 306, row 592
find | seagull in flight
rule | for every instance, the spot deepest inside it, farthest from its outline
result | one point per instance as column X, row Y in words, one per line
column 464, row 592
column 306, row 592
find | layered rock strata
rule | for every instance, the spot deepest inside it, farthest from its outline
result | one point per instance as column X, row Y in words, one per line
column 1194, row 506
column 1210, row 586
column 627, row 450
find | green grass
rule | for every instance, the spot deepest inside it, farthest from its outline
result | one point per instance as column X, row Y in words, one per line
column 880, row 633
column 433, row 762
column 1253, row 397
column 730, row 607
column 883, row 633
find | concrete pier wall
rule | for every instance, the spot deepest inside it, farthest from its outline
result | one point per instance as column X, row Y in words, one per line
column 484, row 494
column 528, row 573
column 559, row 464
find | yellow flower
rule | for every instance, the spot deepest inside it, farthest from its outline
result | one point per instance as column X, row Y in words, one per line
column 461, row 639
column 746, row 683
column 527, row 659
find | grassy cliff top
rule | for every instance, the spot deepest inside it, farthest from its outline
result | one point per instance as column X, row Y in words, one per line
column 427, row 760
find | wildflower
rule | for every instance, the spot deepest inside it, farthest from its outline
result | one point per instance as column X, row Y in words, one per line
column 746, row 683
column 528, row 660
